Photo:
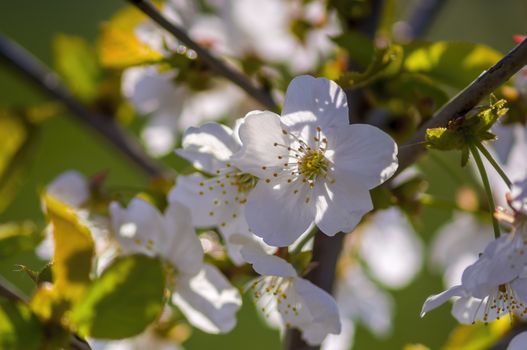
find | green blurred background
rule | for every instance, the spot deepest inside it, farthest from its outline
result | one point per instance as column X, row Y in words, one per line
column 64, row 144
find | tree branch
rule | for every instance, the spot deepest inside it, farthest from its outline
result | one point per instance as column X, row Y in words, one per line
column 48, row 81
column 214, row 63
column 467, row 99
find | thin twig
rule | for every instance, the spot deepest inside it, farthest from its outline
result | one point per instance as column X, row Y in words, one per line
column 218, row 66
column 26, row 64
column 9, row 291
column 467, row 99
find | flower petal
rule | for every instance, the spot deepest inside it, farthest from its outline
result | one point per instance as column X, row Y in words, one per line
column 437, row 300
column 137, row 227
column 519, row 342
column 364, row 151
column 181, row 245
column 278, row 214
column 70, row 187
column 206, row 199
column 265, row 264
column 259, row 133
column 208, row 300
column 323, row 310
column 316, row 101
column 341, row 205
column 208, row 147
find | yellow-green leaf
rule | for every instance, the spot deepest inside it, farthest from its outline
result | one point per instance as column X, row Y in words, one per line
column 455, row 64
column 127, row 297
column 119, row 47
column 74, row 250
column 17, row 141
column 76, row 62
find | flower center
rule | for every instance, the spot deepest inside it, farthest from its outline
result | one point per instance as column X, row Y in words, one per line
column 313, row 164
column 244, row 181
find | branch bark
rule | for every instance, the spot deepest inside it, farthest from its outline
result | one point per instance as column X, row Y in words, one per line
column 218, row 66
column 467, row 99
column 28, row 66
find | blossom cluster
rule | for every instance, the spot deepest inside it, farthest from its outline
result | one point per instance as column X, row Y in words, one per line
column 264, row 185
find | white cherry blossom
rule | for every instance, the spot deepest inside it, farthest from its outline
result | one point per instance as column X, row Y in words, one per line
column 204, row 296
column 217, row 201
column 313, row 166
column 494, row 285
column 281, row 293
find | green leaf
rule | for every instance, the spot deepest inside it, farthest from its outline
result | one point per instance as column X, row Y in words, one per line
column 77, row 63
column 18, row 237
column 19, row 328
column 386, row 62
column 455, row 64
column 74, row 250
column 17, row 143
column 124, row 300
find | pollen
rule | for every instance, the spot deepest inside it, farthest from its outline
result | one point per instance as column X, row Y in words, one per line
column 313, row 165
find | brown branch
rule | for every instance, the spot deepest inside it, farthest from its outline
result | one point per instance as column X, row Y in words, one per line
column 467, row 99
column 27, row 65
column 218, row 66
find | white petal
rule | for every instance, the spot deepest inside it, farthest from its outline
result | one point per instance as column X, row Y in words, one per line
column 341, row 205
column 70, row 187
column 398, row 259
column 265, row 264
column 208, row 147
column 519, row 196
column 137, row 227
column 365, row 152
column 323, row 309
column 519, row 342
column 342, row 341
column 181, row 245
column 208, row 301
column 437, row 300
column 150, row 90
column 259, row 133
column 467, row 310
column 317, row 101
column 279, row 215
column 210, row 204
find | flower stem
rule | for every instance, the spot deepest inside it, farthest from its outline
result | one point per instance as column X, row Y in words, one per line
column 494, row 164
column 486, row 185
column 304, row 241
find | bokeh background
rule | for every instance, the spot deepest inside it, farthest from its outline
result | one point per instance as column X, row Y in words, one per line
column 63, row 144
